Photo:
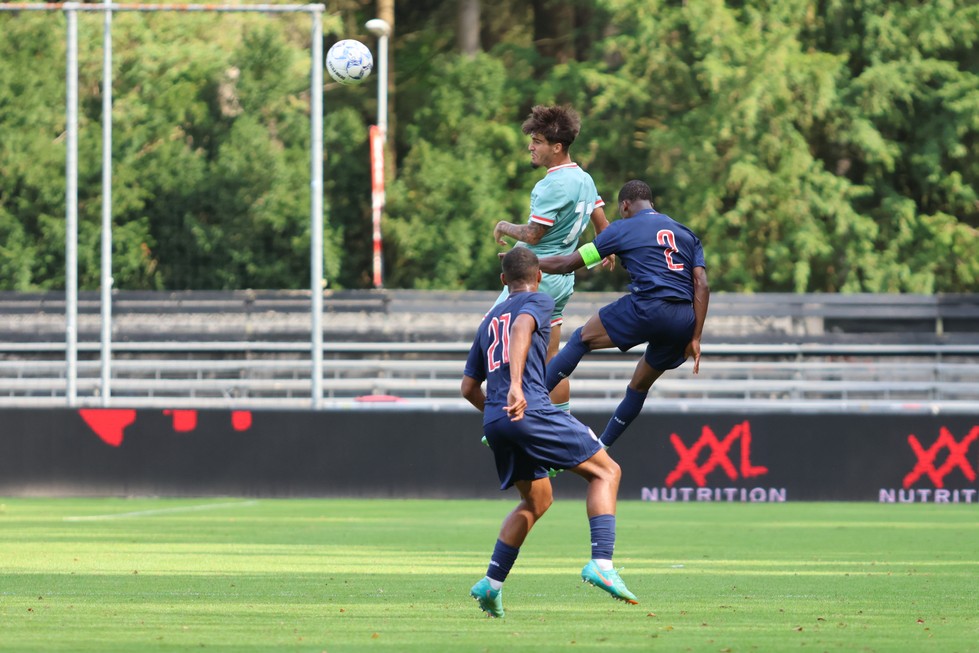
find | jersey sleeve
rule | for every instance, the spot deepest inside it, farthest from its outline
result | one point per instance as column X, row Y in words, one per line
column 599, row 202
column 698, row 254
column 608, row 241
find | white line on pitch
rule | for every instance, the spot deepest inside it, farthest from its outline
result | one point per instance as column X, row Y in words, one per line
column 162, row 511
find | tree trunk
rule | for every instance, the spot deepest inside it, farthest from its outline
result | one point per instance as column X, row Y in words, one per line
column 554, row 28
column 469, row 26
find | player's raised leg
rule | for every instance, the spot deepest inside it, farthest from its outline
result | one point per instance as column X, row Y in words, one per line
column 631, row 405
column 589, row 337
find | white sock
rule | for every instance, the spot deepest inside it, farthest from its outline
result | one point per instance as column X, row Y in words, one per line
column 495, row 584
column 603, row 564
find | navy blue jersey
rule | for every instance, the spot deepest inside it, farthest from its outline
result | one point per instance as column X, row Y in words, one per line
column 489, row 357
column 659, row 253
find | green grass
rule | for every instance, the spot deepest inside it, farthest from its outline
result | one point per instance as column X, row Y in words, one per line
column 378, row 575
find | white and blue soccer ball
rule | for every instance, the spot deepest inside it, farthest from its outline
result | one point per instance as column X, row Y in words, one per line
column 349, row 61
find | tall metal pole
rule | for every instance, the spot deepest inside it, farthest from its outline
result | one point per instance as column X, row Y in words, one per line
column 71, row 206
column 316, row 208
column 107, row 207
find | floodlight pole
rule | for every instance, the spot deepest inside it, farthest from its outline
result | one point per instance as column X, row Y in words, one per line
column 107, row 281
column 316, row 206
column 71, row 206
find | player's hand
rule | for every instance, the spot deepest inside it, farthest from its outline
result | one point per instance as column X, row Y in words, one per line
column 693, row 349
column 516, row 405
column 498, row 234
column 609, row 262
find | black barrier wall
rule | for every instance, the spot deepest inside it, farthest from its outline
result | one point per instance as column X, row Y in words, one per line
column 387, row 453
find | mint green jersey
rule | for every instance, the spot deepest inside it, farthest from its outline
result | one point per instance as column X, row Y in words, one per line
column 563, row 201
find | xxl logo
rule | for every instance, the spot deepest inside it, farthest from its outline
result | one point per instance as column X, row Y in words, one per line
column 719, row 455
column 955, row 458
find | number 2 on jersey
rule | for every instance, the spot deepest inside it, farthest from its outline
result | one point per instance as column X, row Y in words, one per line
column 498, row 352
column 666, row 237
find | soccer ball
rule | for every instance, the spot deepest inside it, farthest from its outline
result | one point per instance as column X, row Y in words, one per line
column 349, row 61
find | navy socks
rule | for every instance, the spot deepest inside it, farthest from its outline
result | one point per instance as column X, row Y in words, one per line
column 562, row 365
column 602, row 536
column 627, row 410
column 502, row 561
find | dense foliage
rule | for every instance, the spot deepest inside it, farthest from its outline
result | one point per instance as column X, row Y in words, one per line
column 814, row 146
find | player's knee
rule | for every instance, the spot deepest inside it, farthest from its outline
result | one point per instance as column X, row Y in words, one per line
column 539, row 504
column 611, row 471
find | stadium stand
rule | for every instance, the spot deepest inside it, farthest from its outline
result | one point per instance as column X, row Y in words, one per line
column 407, row 348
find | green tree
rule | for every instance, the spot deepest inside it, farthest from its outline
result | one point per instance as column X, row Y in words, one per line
column 466, row 169
column 32, row 159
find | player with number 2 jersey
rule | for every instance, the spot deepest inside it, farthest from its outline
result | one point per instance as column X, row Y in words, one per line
column 665, row 309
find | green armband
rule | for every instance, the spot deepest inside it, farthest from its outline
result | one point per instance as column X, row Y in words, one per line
column 589, row 254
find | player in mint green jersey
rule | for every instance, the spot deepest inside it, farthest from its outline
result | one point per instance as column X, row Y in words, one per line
column 562, row 205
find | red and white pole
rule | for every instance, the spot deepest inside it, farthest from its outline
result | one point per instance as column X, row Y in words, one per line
column 377, row 197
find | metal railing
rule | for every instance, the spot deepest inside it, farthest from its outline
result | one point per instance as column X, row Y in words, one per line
column 276, row 374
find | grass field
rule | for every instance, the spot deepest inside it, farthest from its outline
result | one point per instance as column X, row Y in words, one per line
column 378, row 575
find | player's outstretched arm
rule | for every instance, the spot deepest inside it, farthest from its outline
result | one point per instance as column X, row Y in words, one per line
column 599, row 221
column 562, row 264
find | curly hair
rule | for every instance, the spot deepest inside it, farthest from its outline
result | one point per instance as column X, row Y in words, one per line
column 557, row 124
column 635, row 190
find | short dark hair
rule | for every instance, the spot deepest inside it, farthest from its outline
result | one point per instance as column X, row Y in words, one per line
column 557, row 124
column 635, row 190
column 520, row 265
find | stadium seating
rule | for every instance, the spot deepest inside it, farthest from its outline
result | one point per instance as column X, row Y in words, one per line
column 407, row 348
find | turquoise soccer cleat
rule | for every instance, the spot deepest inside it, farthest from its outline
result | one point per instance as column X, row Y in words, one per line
column 490, row 600
column 608, row 581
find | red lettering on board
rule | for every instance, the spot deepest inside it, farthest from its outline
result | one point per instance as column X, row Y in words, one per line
column 718, row 456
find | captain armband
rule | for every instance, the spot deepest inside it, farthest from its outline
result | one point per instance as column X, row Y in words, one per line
column 589, row 254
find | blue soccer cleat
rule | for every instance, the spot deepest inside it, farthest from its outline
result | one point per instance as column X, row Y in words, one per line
column 609, row 581
column 490, row 600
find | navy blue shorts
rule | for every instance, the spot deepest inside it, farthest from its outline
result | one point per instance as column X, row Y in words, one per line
column 666, row 326
column 543, row 439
